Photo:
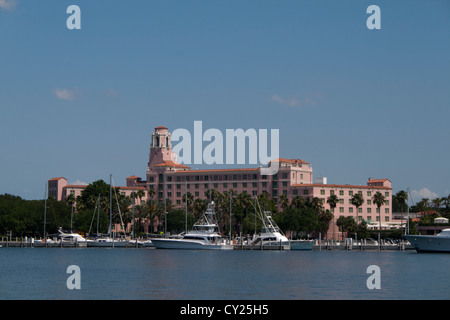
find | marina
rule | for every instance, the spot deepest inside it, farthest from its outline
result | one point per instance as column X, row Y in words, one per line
column 294, row 245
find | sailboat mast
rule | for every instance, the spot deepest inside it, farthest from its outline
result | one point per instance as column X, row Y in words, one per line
column 230, row 215
column 186, row 200
column 45, row 207
column 110, row 204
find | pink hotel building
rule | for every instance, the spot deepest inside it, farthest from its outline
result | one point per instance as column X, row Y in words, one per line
column 294, row 177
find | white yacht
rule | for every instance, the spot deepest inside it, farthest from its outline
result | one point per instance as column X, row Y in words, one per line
column 271, row 234
column 438, row 243
column 204, row 235
column 107, row 242
column 71, row 238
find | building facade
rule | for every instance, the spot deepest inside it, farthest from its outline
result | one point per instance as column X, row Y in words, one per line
column 171, row 180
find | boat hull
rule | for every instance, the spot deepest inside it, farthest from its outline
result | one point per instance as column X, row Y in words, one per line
column 107, row 244
column 429, row 243
column 302, row 244
column 188, row 245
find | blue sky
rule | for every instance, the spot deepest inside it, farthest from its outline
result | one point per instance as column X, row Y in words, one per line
column 355, row 103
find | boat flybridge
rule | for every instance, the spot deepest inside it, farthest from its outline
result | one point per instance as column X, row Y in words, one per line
column 204, row 235
column 270, row 234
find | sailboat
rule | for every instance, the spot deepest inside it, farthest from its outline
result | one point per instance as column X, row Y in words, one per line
column 107, row 240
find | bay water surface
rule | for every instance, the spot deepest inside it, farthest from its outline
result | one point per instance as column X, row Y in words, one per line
column 150, row 274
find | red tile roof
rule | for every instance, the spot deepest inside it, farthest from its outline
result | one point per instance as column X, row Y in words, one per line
column 167, row 163
column 59, row 178
column 290, row 160
column 218, row 170
column 339, row 186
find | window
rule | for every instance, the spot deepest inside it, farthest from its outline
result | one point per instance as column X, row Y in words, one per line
column 197, row 178
column 178, row 194
column 295, row 192
column 225, row 185
column 341, row 192
column 284, row 183
column 196, row 193
column 206, row 178
column 301, row 176
column 254, row 176
column 369, row 193
column 386, row 210
column 359, row 210
column 206, row 186
column 331, row 192
column 386, row 194
column 350, row 210
column 341, row 209
column 369, row 210
column 369, row 201
column 285, row 175
column 341, row 201
column 234, row 176
column 285, row 192
column 254, row 184
column 305, row 192
column 350, row 193
column 244, row 184
column 264, row 184
column 244, row 177
column 322, row 192
column 178, row 186
column 196, row 186
column 234, row 185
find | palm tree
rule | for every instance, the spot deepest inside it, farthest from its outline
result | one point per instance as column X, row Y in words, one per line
column 71, row 200
column 379, row 200
column 357, row 200
column 298, row 202
column 333, row 201
column 400, row 199
column 284, row 201
column 151, row 211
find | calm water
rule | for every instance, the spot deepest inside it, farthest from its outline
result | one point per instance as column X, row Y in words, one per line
column 40, row 273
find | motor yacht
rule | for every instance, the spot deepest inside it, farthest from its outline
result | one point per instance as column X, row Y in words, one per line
column 203, row 236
